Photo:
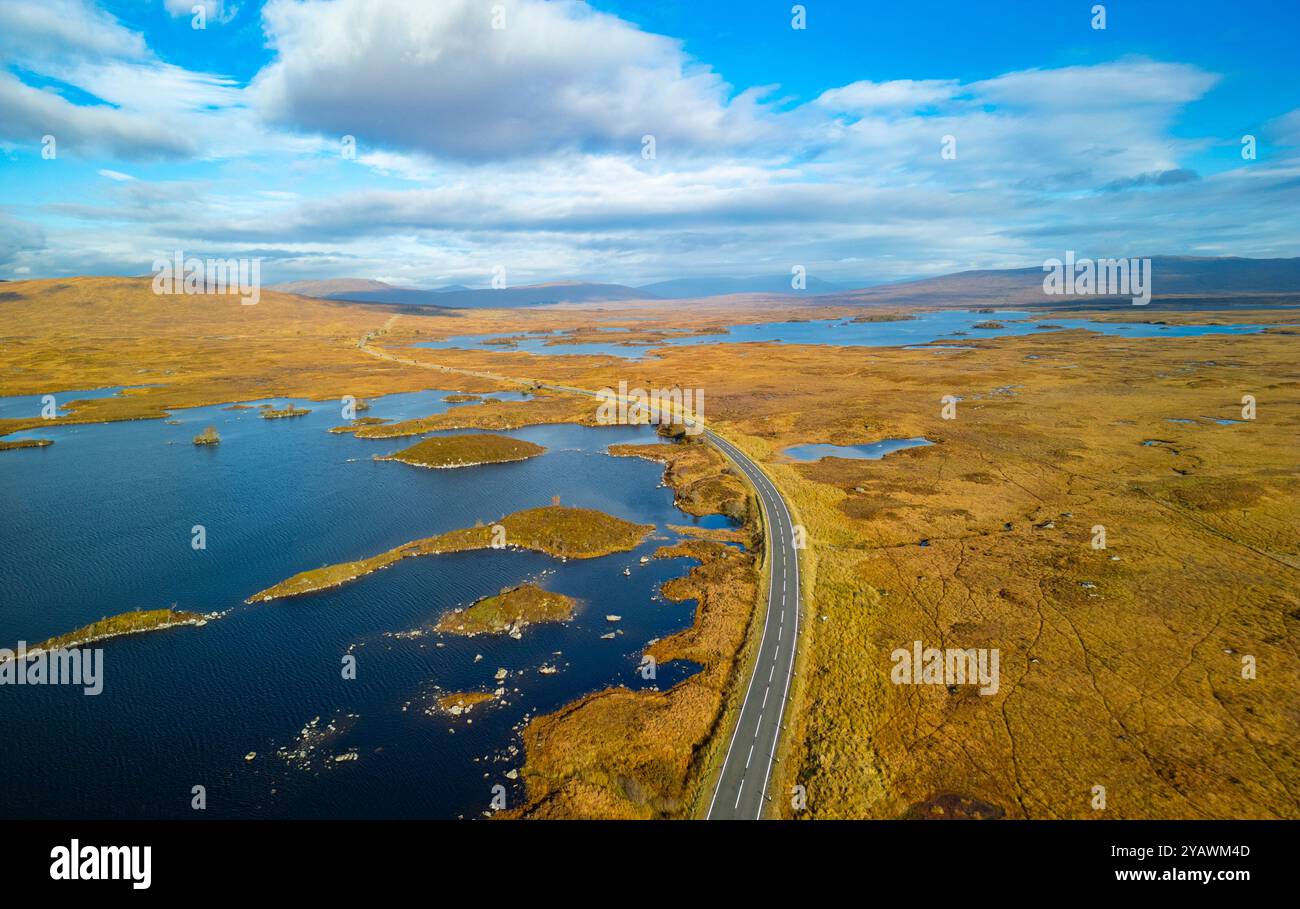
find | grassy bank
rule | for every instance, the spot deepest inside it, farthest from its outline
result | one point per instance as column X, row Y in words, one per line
column 701, row 479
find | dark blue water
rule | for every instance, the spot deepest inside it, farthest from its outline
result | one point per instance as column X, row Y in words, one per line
column 100, row 522
column 927, row 327
column 871, row 452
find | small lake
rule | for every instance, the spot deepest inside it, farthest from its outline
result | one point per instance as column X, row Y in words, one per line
column 870, row 452
column 926, row 328
column 100, row 523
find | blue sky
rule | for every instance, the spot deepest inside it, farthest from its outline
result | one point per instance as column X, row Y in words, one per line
column 522, row 146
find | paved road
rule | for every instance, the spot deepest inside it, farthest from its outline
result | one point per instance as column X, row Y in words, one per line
column 742, row 786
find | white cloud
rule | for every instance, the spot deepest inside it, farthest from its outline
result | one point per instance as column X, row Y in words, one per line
column 1072, row 129
column 138, row 108
column 438, row 78
column 522, row 147
column 18, row 238
column 903, row 95
column 27, row 114
column 1285, row 129
column 44, row 30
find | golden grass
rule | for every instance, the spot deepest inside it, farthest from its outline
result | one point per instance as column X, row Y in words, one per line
column 189, row 350
column 1134, row 684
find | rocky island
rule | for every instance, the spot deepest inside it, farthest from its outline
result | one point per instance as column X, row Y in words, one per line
column 509, row 612
column 209, row 436
column 270, row 412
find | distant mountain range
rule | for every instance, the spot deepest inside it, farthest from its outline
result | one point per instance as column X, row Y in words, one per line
column 458, row 296
column 687, row 288
column 364, row 290
column 1184, row 280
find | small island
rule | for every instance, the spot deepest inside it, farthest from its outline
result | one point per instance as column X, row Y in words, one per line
column 207, row 437
column 469, row 450
column 359, row 422
column 269, row 411
column 509, row 612
column 460, row 398
column 869, row 317
column 565, row 533
column 11, row 445
column 988, row 324
column 135, row 622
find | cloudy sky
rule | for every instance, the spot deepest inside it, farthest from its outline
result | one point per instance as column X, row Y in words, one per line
column 513, row 133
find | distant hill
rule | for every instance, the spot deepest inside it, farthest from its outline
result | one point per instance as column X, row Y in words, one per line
column 685, row 288
column 364, row 290
column 1219, row 281
column 332, row 286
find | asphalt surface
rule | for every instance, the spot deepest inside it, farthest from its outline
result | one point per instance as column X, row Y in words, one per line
column 741, row 792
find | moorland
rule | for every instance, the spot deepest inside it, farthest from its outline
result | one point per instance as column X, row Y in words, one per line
column 1123, row 667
